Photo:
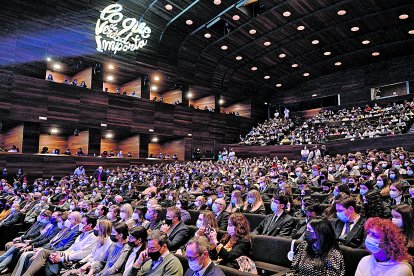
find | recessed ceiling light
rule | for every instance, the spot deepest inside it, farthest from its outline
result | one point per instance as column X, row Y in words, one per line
column 156, row 78
column 314, row 95
column 338, row 63
column 150, row 130
column 279, row 85
column 155, row 139
column 239, row 58
column 306, row 74
column 221, row 101
column 341, row 12
column 224, row 47
column 189, row 95
column 254, row 68
column 314, row 42
column 236, row 17
column 375, row 54
column 168, row 7
column 57, row 66
column 189, row 22
column 48, row 59
column 355, row 29
column 300, row 28
column 403, row 16
column 154, row 88
column 110, row 78
column 286, row 14
column 266, row 77
column 54, row 130
column 282, row 55
column 295, row 65
column 365, row 42
column 327, row 53
column 252, row 31
column 411, row 32
column 109, row 135
column 111, row 67
column 267, row 43
column 217, row 2
column 207, row 35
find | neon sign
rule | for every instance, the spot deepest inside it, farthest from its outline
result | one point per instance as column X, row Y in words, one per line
column 115, row 33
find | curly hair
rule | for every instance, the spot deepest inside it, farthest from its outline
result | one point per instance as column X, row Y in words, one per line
column 394, row 240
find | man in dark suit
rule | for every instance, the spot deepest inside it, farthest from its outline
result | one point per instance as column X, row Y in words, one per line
column 349, row 226
column 279, row 223
column 222, row 216
column 153, row 215
column 175, row 229
column 100, row 174
column 198, row 259
column 14, row 217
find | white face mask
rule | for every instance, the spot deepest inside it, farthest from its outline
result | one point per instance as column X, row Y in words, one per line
column 231, row 230
column 67, row 223
column 123, row 215
column 109, row 216
column 398, row 222
column 135, row 216
column 199, row 223
column 394, row 194
column 81, row 226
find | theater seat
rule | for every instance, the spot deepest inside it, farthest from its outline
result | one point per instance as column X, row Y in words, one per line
column 352, row 257
column 228, row 271
column 194, row 216
column 254, row 220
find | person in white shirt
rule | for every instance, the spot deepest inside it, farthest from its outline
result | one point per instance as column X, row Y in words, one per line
column 137, row 240
column 389, row 254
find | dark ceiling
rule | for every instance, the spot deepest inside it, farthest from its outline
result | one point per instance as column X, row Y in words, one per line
column 183, row 55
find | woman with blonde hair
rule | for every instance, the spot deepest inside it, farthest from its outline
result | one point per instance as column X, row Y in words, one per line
column 236, row 202
column 125, row 213
column 102, row 230
column 254, row 203
column 206, row 221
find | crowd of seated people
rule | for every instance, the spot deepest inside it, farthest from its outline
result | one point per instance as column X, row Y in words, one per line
column 327, row 125
column 129, row 221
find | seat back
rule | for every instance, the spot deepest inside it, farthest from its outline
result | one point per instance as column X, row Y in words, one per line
column 254, row 220
column 194, row 216
column 352, row 257
column 271, row 250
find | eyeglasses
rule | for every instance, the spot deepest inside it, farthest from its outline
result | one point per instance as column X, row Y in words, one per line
column 192, row 259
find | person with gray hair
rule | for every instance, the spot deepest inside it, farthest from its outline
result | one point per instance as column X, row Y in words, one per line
column 157, row 259
column 198, row 259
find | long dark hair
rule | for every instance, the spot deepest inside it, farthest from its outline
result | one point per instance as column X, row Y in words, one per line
column 325, row 239
column 406, row 212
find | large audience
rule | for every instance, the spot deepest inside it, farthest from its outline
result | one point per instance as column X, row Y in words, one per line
column 327, row 125
column 138, row 220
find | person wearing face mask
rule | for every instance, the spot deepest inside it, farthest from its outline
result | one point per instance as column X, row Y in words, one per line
column 206, row 220
column 96, row 196
column 389, row 254
column 12, row 218
column 254, row 203
column 349, row 226
column 395, row 176
column 100, row 174
column 200, row 203
column 182, row 204
column 396, row 195
column 397, row 165
column 137, row 219
column 199, row 262
column 222, row 216
column 319, row 253
column 137, row 240
column 62, row 241
column 175, row 229
column 112, row 214
column 153, row 215
column 157, row 259
column 116, row 255
column 312, row 210
column 403, row 218
column 371, row 200
column 49, row 261
column 100, row 212
column 41, row 204
column 383, row 185
column 125, row 213
column 236, row 203
column 280, row 223
column 234, row 244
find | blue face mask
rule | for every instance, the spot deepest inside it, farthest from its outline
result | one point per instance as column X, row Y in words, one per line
column 372, row 245
column 250, row 200
column 274, row 207
column 380, row 184
column 335, row 193
column 363, row 192
column 392, row 176
column 215, row 208
column 342, row 216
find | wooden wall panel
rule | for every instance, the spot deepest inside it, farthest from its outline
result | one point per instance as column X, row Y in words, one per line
column 154, row 94
column 14, row 137
column 173, row 96
column 111, row 87
column 53, row 142
column 154, row 149
column 80, row 141
column 203, row 102
column 57, row 76
column 134, row 85
column 84, row 75
column 130, row 144
column 2, row 141
column 244, row 109
column 109, row 144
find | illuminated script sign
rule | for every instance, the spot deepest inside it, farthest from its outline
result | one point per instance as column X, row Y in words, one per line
column 115, row 33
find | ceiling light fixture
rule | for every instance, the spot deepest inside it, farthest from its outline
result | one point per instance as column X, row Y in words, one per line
column 338, row 63
column 155, row 139
column 365, row 42
column 266, row 77
column 279, row 85
column 189, row 95
column 168, row 7
column 411, row 32
column 267, row 43
column 282, row 55
column 295, row 65
column 314, row 42
column 48, row 59
column 306, row 74
column 154, row 88
column 341, row 12
column 54, row 130
column 57, row 66
column 217, row 2
column 355, row 29
column 224, row 47
column 327, row 53
column 156, row 78
column 239, row 58
column 300, row 28
column 252, row 31
column 286, row 14
column 254, row 68
column 221, row 101
column 110, row 78
column 111, row 66
column 189, row 22
column 109, row 135
column 403, row 16
column 236, row 17
column 207, row 35
column 375, row 54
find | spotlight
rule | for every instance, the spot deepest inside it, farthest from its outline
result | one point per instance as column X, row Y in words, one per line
column 110, row 78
